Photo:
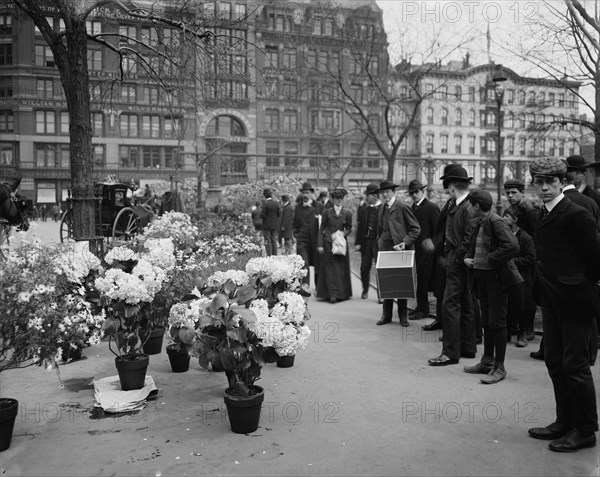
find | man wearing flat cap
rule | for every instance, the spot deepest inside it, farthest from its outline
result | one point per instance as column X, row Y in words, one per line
column 397, row 230
column 306, row 223
column 578, row 166
column 492, row 248
column 459, row 339
column 366, row 235
column 427, row 214
column 567, row 269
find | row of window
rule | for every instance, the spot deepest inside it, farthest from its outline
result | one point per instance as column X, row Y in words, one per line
column 511, row 145
column 59, row 155
column 321, row 120
column 489, row 118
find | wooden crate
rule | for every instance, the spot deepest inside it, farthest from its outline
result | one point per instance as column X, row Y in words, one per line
column 396, row 274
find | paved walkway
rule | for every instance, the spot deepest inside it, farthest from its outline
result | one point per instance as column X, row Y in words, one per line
column 360, row 400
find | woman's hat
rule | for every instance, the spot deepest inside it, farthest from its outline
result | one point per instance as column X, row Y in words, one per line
column 385, row 185
column 339, row 193
column 307, row 186
column 415, row 185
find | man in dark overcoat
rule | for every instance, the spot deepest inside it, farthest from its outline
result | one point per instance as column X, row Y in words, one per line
column 286, row 217
column 579, row 166
column 366, row 235
column 427, row 214
column 397, row 230
column 567, row 269
column 270, row 221
column 306, row 224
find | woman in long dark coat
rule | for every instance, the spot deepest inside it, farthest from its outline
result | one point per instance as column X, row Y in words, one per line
column 334, row 276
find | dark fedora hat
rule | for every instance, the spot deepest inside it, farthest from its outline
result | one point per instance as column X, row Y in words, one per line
column 576, row 163
column 307, row 186
column 447, row 168
column 457, row 174
column 384, row 185
column 372, row 188
column 415, row 185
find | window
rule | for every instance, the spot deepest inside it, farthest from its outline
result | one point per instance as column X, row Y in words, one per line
column 272, row 60
column 375, row 123
column 240, row 11
column 491, row 118
column 290, row 148
column 510, row 120
column 127, row 34
column 43, row 56
column 328, row 26
column 150, row 126
column 444, row 143
column 541, row 146
column 272, row 119
column 471, row 144
column 552, row 147
column 510, row 145
column 471, row 117
column 98, row 124
column 491, row 145
column 444, row 116
column 95, row 60
column 471, row 94
column 51, row 155
column 129, row 157
column 151, row 156
column 6, row 88
column 6, row 121
column 290, row 120
column 458, row 93
column 99, row 155
column 550, row 99
column 531, row 98
column 64, row 122
column 458, row 144
column 561, row 100
column 150, row 94
column 225, row 10
column 404, row 146
column 531, row 148
column 5, row 24
column 561, row 147
column 429, row 142
column 522, row 142
column 530, row 120
column 128, row 124
column 289, row 59
column 280, row 23
column 483, row 145
column 6, row 57
column 45, row 88
column 522, row 121
column 50, row 21
column 322, row 61
column 129, row 65
column 510, row 96
column 172, row 127
column 317, row 26
column 458, row 117
column 272, row 147
column 128, row 94
column 45, row 122
column 373, row 65
column 93, row 27
column 429, row 115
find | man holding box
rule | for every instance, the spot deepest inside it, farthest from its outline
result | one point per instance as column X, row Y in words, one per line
column 398, row 230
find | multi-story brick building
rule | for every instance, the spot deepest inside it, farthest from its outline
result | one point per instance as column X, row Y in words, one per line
column 266, row 112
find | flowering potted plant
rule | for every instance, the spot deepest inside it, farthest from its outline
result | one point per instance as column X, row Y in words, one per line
column 127, row 287
column 183, row 321
column 44, row 310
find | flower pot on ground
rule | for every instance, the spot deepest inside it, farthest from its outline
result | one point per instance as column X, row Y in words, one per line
column 286, row 361
column 132, row 373
column 244, row 411
column 179, row 358
column 153, row 341
column 71, row 352
column 8, row 413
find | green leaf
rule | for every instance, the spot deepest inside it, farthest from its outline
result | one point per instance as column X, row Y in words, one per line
column 203, row 360
column 246, row 294
column 209, row 320
column 240, row 388
column 229, row 287
column 247, row 315
column 111, row 326
column 227, row 359
column 267, row 281
column 187, row 335
column 237, row 334
column 130, row 310
column 218, row 302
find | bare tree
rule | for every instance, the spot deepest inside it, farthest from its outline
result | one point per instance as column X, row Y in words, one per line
column 564, row 43
column 372, row 93
column 189, row 41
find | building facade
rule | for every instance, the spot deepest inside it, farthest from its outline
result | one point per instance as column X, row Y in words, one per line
column 264, row 108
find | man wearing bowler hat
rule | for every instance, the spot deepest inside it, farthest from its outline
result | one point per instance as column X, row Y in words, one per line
column 567, row 269
column 306, row 228
column 427, row 214
column 459, row 324
column 397, row 230
column 366, row 235
column 579, row 167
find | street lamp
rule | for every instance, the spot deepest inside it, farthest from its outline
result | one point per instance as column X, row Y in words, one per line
column 499, row 78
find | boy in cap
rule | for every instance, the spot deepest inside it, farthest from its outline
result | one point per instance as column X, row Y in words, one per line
column 567, row 268
column 492, row 248
column 526, row 213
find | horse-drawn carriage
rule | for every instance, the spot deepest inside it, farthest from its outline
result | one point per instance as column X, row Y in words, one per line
column 117, row 216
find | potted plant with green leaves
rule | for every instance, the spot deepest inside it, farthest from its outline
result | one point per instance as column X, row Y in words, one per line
column 44, row 310
column 127, row 287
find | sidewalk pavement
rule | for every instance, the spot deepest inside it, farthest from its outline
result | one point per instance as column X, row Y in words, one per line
column 360, row 400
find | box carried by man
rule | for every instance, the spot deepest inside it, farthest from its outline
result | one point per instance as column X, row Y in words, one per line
column 396, row 274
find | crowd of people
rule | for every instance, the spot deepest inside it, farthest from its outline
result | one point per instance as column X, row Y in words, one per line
column 489, row 271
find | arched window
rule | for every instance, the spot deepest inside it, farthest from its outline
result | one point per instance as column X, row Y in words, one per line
column 429, row 115
column 444, row 116
column 458, row 116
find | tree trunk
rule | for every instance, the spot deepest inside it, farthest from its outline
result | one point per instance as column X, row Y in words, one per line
column 74, row 74
column 390, row 172
column 597, row 130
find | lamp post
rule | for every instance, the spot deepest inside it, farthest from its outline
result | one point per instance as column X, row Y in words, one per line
column 499, row 78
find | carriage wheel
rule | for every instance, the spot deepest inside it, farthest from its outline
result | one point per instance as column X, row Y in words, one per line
column 4, row 242
column 126, row 224
column 66, row 227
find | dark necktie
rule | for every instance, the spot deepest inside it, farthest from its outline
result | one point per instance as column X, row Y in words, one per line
column 544, row 212
column 414, row 206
